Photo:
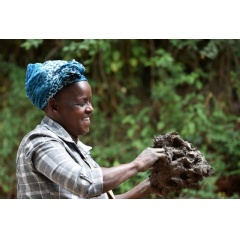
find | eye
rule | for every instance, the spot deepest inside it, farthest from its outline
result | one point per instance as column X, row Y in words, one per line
column 84, row 103
column 81, row 104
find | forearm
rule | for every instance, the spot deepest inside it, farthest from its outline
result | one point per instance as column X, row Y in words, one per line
column 142, row 190
column 112, row 177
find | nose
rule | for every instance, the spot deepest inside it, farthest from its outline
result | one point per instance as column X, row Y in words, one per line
column 89, row 108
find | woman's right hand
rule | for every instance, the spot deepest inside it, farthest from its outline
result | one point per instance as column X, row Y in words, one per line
column 148, row 157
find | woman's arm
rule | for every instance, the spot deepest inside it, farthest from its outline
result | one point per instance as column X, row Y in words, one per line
column 112, row 177
column 142, row 190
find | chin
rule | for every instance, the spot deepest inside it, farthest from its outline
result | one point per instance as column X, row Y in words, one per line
column 85, row 132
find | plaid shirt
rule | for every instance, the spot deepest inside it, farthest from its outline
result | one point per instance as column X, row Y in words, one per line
column 51, row 165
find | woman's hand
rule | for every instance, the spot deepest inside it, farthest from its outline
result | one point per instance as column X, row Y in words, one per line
column 148, row 157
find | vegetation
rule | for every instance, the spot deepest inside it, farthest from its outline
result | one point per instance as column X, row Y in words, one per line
column 141, row 89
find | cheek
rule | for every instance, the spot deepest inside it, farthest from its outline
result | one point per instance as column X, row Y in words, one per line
column 76, row 117
column 75, row 112
column 79, row 113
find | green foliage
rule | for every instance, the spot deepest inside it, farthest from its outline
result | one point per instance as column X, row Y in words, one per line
column 28, row 44
column 16, row 118
column 141, row 88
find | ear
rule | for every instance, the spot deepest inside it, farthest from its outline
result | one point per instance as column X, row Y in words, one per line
column 52, row 105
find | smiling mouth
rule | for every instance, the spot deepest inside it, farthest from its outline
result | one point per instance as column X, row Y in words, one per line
column 86, row 119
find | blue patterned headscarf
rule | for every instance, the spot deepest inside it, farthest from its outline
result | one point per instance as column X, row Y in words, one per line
column 44, row 80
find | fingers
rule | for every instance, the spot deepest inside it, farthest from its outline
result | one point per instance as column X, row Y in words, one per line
column 160, row 153
column 162, row 156
column 158, row 150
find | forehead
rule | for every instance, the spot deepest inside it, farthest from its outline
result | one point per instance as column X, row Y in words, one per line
column 78, row 89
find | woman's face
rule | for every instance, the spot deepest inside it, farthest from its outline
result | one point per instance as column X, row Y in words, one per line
column 74, row 108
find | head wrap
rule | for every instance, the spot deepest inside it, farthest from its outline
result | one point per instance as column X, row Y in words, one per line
column 44, row 80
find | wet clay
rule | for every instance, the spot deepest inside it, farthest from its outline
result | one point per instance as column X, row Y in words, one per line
column 183, row 167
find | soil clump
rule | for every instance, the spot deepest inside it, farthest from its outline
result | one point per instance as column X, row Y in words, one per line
column 183, row 167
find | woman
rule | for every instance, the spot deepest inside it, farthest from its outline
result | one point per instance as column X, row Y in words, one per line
column 51, row 161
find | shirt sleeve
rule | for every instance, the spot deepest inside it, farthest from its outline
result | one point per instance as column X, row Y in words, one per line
column 51, row 159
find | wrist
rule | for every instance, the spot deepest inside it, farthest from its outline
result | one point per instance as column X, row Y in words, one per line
column 136, row 166
column 154, row 190
column 146, row 187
